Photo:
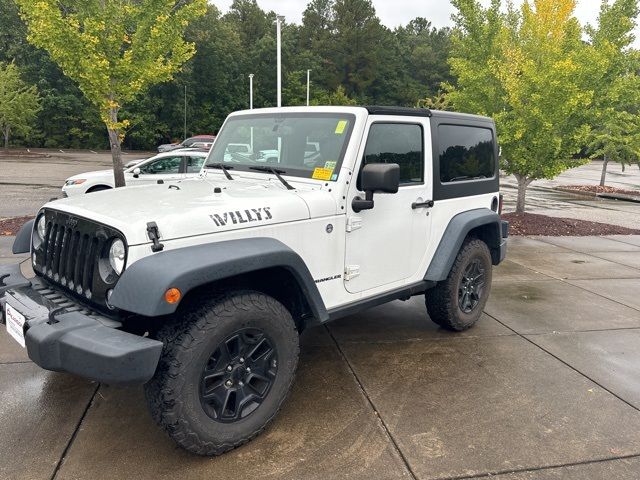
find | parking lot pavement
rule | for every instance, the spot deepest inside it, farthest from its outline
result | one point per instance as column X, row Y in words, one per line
column 29, row 181
column 546, row 386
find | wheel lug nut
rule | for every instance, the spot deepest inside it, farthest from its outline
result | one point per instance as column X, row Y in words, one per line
column 228, row 383
column 229, row 368
column 248, row 370
column 241, row 359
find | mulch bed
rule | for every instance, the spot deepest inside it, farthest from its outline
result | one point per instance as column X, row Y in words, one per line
column 534, row 224
column 595, row 189
column 10, row 226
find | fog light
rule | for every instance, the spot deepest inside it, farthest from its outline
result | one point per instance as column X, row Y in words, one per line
column 172, row 296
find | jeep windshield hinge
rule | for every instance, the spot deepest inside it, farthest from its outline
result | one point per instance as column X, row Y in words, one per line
column 154, row 236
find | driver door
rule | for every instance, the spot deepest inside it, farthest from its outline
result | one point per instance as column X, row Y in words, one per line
column 385, row 245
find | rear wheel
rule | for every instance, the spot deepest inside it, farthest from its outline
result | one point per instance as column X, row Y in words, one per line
column 457, row 302
column 224, row 373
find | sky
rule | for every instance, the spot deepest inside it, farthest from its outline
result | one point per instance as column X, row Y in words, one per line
column 399, row 12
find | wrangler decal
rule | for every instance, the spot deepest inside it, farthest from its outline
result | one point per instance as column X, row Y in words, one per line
column 242, row 216
column 322, row 280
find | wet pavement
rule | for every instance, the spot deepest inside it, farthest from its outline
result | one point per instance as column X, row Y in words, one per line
column 546, row 386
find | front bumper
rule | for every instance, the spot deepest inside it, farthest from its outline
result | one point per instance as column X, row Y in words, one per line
column 61, row 335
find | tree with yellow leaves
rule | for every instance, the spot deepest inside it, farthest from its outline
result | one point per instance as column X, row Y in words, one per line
column 113, row 49
column 527, row 68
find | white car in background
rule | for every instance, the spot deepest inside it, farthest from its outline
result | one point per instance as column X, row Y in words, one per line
column 169, row 166
column 311, row 154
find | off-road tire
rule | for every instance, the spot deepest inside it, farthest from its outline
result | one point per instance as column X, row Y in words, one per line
column 173, row 393
column 442, row 300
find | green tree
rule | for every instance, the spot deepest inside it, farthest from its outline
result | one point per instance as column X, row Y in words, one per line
column 19, row 103
column 336, row 98
column 527, row 69
column 113, row 50
column 66, row 118
column 615, row 134
column 424, row 53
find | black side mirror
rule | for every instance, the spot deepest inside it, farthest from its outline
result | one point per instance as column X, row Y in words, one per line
column 376, row 177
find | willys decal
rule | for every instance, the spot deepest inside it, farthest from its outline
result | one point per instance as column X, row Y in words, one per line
column 242, row 216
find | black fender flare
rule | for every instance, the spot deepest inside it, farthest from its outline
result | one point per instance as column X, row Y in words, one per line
column 142, row 285
column 455, row 233
column 22, row 243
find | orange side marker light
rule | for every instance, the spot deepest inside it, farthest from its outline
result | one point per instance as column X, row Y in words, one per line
column 172, row 296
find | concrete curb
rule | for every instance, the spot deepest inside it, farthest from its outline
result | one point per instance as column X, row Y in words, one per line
column 611, row 196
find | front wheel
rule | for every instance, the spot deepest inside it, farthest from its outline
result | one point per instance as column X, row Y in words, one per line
column 224, row 372
column 457, row 302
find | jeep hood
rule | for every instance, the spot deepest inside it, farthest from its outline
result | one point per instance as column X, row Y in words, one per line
column 191, row 207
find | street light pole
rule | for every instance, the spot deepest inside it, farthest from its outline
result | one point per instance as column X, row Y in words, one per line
column 185, row 113
column 279, row 20
column 308, row 83
column 251, row 91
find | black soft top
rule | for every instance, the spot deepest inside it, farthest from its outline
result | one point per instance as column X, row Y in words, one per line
column 423, row 112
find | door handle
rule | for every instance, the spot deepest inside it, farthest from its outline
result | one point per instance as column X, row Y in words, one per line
column 427, row 204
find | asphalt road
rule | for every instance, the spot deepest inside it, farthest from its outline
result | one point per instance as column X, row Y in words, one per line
column 28, row 181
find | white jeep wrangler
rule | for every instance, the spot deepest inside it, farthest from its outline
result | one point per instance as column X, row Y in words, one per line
column 200, row 288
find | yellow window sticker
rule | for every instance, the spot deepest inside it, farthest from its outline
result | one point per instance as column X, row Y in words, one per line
column 342, row 124
column 322, row 173
column 330, row 165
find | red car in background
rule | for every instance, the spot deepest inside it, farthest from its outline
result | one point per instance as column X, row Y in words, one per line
column 200, row 141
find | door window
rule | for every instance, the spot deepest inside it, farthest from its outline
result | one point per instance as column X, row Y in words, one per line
column 400, row 143
column 194, row 164
column 166, row 165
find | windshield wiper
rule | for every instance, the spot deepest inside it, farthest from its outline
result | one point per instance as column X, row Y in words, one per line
column 467, row 177
column 276, row 172
column 220, row 166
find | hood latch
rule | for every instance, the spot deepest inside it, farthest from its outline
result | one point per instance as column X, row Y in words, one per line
column 154, row 236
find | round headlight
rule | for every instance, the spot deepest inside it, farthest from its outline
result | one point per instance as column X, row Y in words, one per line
column 41, row 228
column 116, row 256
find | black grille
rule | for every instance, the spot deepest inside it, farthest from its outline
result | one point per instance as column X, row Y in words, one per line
column 71, row 254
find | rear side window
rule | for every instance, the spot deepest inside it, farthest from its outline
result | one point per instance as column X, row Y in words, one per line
column 400, row 143
column 466, row 153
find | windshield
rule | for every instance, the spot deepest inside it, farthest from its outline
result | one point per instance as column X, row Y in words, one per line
column 308, row 145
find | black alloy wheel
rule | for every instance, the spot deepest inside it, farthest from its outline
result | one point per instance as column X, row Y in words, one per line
column 471, row 286
column 238, row 375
